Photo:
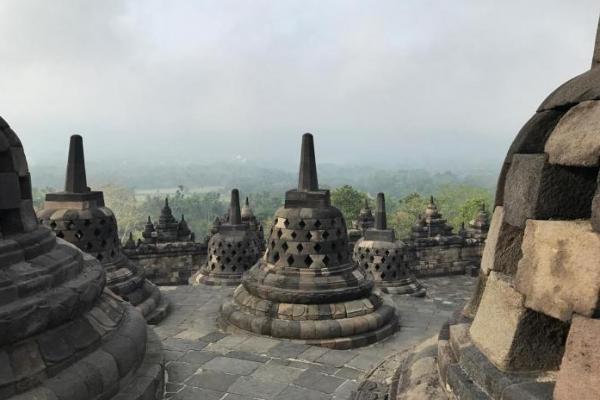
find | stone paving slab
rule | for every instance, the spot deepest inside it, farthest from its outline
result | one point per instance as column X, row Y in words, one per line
column 205, row 363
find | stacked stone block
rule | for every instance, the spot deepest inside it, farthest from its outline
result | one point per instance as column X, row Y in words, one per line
column 62, row 336
column 306, row 287
column 531, row 329
column 79, row 216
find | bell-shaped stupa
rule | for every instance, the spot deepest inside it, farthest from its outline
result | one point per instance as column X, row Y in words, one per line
column 532, row 327
column 385, row 257
column 232, row 250
column 61, row 335
column 306, row 286
column 80, row 216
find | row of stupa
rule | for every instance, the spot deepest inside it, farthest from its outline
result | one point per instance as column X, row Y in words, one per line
column 433, row 249
column 531, row 330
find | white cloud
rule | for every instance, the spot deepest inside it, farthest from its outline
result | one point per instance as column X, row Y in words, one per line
column 212, row 79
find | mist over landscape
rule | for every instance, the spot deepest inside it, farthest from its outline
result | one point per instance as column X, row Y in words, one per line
column 190, row 99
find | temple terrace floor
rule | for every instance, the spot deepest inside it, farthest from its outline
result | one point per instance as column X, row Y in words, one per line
column 205, row 363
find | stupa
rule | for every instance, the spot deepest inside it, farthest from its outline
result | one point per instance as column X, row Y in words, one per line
column 249, row 218
column 306, row 287
column 80, row 216
column 364, row 221
column 385, row 257
column 431, row 226
column 434, row 249
column 232, row 250
column 532, row 328
column 62, row 336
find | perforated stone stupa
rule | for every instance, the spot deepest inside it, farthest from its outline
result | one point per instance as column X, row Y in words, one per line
column 232, row 249
column 385, row 257
column 532, row 329
column 80, row 216
column 306, row 286
column 61, row 335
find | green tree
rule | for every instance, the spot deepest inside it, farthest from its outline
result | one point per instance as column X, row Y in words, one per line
column 408, row 210
column 349, row 201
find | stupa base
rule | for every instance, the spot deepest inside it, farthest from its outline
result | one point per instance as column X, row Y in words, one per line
column 107, row 353
column 132, row 286
column 344, row 325
column 408, row 286
column 203, row 277
column 462, row 371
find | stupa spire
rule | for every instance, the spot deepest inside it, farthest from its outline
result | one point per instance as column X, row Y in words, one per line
column 308, row 181
column 380, row 215
column 596, row 57
column 76, row 181
column 235, row 215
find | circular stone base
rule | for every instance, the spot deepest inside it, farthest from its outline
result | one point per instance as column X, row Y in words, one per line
column 339, row 326
column 204, row 278
column 404, row 286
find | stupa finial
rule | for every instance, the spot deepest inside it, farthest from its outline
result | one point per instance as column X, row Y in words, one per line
column 380, row 214
column 308, row 181
column 596, row 57
column 76, row 181
column 235, row 215
column 247, row 202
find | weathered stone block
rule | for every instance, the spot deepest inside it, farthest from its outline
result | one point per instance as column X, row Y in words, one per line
column 535, row 189
column 579, row 376
column 511, row 336
column 559, row 273
column 503, row 245
column 576, row 139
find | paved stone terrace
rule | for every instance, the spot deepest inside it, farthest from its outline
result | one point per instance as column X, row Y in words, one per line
column 205, row 363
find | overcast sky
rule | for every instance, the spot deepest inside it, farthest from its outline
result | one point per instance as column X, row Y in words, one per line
column 422, row 81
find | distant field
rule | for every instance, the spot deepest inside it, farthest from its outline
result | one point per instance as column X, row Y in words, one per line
column 141, row 194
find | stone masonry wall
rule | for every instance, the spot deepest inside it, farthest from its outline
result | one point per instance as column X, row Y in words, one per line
column 169, row 263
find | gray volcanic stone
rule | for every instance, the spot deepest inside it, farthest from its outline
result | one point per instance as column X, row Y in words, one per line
column 306, row 287
column 57, row 321
column 539, row 190
column 576, row 139
column 80, row 216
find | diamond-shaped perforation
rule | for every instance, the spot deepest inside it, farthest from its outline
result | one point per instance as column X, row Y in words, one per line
column 285, row 246
column 318, row 224
column 299, row 247
column 317, row 247
column 302, row 224
column 308, row 261
column 290, row 260
column 309, row 235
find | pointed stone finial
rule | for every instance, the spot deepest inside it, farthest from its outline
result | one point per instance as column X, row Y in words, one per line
column 366, row 203
column 308, row 181
column 166, row 201
column 182, row 218
column 596, row 57
column 431, row 200
column 149, row 220
column 235, row 215
column 76, row 181
column 247, row 202
column 380, row 214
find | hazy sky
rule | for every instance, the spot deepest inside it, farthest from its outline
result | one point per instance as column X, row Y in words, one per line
column 404, row 80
